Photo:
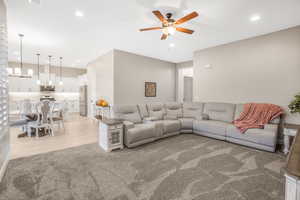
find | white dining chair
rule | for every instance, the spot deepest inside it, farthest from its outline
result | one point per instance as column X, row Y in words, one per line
column 42, row 122
column 56, row 116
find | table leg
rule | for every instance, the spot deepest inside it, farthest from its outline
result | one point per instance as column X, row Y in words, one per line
column 286, row 144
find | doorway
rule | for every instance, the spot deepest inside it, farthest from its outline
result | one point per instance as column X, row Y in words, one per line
column 188, row 89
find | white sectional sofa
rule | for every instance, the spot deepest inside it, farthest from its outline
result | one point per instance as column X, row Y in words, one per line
column 147, row 123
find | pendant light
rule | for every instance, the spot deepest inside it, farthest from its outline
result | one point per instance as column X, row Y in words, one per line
column 38, row 69
column 18, row 72
column 49, row 77
column 60, row 71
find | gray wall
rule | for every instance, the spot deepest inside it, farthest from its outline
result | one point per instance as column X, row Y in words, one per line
column 131, row 71
column 260, row 69
column 4, row 131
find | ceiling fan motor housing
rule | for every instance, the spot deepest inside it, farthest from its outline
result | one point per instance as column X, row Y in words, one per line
column 168, row 22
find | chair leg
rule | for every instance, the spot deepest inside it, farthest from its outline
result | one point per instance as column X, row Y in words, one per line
column 28, row 130
column 51, row 129
column 37, row 133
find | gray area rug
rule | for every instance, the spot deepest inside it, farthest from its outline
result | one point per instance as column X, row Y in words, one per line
column 184, row 167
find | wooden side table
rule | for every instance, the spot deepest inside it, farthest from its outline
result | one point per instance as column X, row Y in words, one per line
column 290, row 130
column 110, row 134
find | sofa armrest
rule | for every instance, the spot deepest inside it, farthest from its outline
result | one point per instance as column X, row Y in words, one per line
column 271, row 127
column 128, row 125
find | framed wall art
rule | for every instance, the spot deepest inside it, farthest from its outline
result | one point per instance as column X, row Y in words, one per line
column 150, row 89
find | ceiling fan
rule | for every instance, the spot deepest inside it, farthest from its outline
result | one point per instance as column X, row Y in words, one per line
column 169, row 25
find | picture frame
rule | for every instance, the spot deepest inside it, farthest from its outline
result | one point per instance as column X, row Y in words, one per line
column 150, row 89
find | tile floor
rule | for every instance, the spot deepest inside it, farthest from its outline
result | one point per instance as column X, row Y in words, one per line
column 78, row 131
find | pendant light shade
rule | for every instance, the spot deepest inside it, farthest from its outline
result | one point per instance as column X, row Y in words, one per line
column 18, row 71
column 38, row 69
column 49, row 73
column 60, row 71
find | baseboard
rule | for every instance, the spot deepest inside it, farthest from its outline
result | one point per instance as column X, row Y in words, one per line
column 4, row 166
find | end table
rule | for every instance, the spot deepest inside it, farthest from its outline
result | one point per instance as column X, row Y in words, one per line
column 290, row 130
column 111, row 134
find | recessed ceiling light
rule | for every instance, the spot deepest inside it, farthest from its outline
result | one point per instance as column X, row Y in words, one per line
column 171, row 45
column 79, row 13
column 30, row 1
column 255, row 18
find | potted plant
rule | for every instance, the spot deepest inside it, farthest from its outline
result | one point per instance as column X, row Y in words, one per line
column 294, row 106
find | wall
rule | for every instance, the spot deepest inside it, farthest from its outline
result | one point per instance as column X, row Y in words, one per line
column 132, row 71
column 261, row 69
column 100, row 80
column 4, row 129
column 182, row 69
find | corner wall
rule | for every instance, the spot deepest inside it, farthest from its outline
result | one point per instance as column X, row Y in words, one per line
column 100, row 80
column 260, row 69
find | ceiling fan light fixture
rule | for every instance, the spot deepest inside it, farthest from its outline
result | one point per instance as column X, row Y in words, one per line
column 171, row 30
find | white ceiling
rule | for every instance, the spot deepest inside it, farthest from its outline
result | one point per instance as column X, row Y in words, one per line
column 52, row 28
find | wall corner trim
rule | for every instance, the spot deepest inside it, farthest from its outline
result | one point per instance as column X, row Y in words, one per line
column 4, row 167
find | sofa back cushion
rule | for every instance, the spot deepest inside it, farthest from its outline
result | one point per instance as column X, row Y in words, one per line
column 156, row 110
column 127, row 112
column 239, row 109
column 173, row 109
column 192, row 110
column 220, row 111
column 143, row 110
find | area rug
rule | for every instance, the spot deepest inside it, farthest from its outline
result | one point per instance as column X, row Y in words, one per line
column 185, row 167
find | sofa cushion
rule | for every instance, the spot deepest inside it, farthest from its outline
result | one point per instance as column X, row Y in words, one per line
column 220, row 111
column 156, row 110
column 186, row 123
column 210, row 126
column 143, row 110
column 265, row 136
column 173, row 109
column 127, row 112
column 239, row 109
column 159, row 127
column 171, row 126
column 140, row 132
column 192, row 110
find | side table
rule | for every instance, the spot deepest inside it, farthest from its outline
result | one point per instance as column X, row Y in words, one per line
column 290, row 130
column 110, row 134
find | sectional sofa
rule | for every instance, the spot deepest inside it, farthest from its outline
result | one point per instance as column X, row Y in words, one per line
column 147, row 123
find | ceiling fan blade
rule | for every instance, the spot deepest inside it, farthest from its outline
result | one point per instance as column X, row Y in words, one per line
column 149, row 29
column 187, row 18
column 184, row 30
column 159, row 15
column 164, row 36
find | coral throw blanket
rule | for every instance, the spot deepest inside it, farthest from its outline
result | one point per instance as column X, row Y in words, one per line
column 256, row 115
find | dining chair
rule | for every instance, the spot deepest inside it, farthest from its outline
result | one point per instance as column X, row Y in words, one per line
column 56, row 116
column 42, row 122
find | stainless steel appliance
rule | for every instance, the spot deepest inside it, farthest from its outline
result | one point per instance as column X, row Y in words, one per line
column 83, row 100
